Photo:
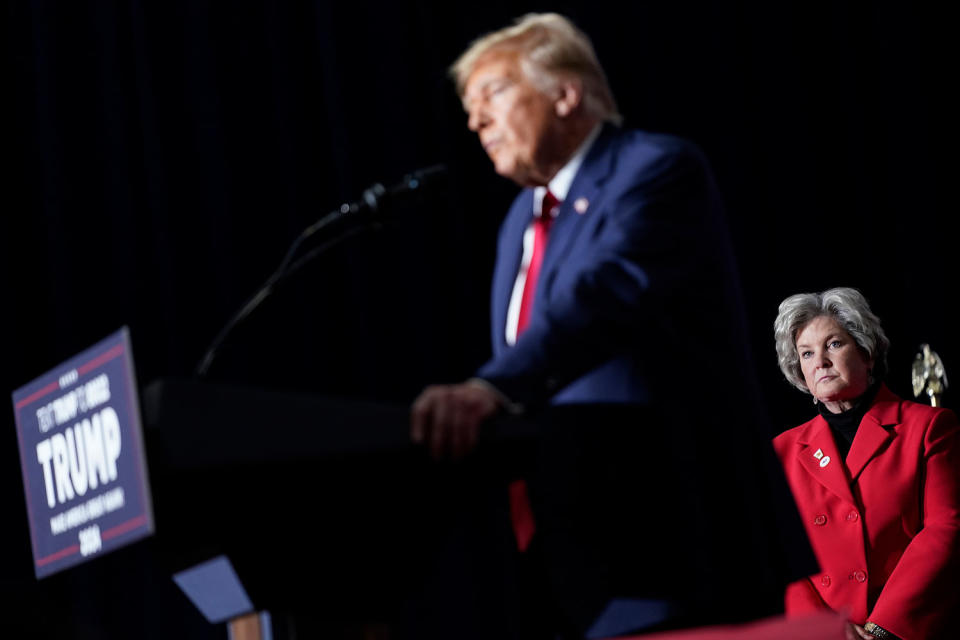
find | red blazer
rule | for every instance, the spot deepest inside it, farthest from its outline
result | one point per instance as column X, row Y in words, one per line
column 884, row 523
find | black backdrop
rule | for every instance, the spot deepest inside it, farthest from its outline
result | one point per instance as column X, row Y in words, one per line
column 162, row 155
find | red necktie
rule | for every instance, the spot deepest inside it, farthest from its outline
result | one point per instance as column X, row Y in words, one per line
column 541, row 232
column 520, row 513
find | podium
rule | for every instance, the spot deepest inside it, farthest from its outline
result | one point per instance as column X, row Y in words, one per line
column 309, row 504
column 322, row 506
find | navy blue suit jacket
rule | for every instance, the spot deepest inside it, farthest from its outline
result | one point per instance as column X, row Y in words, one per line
column 624, row 283
column 638, row 306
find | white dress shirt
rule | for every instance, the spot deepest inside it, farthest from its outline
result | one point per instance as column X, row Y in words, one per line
column 559, row 186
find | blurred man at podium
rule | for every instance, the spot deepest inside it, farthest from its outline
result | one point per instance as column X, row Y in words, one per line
column 616, row 321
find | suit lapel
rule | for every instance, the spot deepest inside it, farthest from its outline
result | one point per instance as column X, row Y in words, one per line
column 822, row 461
column 508, row 262
column 586, row 188
column 872, row 436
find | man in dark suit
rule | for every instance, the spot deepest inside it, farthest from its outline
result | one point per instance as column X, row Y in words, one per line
column 615, row 312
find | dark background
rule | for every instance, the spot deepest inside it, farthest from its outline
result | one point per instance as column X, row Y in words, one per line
column 161, row 156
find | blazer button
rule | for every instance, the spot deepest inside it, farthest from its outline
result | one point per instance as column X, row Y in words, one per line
column 820, row 520
column 825, row 581
column 853, row 516
column 860, row 576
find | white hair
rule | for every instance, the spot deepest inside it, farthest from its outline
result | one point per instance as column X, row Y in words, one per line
column 851, row 311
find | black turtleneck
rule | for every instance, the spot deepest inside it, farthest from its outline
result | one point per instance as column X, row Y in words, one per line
column 844, row 424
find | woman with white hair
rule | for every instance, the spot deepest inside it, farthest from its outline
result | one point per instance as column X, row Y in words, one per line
column 876, row 478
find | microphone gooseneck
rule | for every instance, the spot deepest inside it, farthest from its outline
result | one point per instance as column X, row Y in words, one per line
column 368, row 212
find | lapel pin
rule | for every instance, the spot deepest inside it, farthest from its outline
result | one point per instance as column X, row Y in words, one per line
column 824, row 460
column 580, row 205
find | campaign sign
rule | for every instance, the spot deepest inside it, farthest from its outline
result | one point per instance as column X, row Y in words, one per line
column 81, row 450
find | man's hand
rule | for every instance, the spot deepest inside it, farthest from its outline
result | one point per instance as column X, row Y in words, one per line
column 447, row 418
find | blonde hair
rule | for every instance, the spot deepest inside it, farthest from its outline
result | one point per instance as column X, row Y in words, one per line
column 548, row 46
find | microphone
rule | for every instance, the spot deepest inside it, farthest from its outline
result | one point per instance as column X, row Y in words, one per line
column 420, row 178
column 375, row 198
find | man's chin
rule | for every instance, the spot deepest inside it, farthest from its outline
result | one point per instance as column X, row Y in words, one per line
column 510, row 172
